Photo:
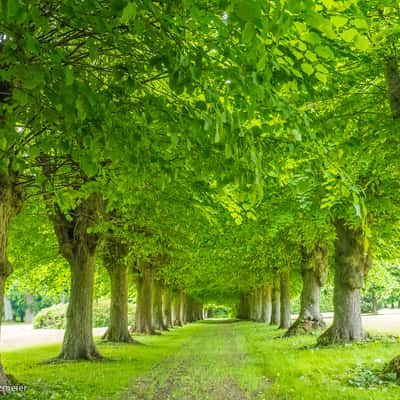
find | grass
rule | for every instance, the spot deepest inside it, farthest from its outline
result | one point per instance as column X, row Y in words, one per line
column 211, row 361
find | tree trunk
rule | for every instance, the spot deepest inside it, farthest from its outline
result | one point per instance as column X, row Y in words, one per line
column 144, row 302
column 393, row 85
column 243, row 311
column 29, row 315
column 158, row 321
column 314, row 273
column 115, row 252
column 167, row 308
column 8, row 314
column 267, row 304
column 118, row 331
column 276, row 302
column 285, row 300
column 11, row 202
column 182, row 309
column 259, row 304
column 78, row 246
column 78, row 341
column 374, row 303
column 177, row 310
column 352, row 264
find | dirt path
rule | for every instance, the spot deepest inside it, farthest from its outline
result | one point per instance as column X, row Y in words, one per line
column 215, row 364
column 16, row 336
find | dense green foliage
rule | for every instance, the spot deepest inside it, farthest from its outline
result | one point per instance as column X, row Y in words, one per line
column 54, row 317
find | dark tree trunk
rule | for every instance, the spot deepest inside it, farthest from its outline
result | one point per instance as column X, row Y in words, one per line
column 285, row 300
column 276, row 302
column 243, row 311
column 352, row 264
column 144, row 302
column 79, row 247
column 11, row 202
column 167, row 308
column 393, row 85
column 314, row 273
column 158, row 321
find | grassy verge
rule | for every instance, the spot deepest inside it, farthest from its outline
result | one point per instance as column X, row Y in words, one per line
column 91, row 380
column 211, row 361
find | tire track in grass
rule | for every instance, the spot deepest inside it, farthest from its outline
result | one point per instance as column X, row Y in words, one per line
column 215, row 364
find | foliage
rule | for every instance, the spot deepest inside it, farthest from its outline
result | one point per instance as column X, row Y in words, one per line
column 54, row 317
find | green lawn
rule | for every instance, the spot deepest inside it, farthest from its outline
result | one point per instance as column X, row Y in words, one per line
column 210, row 360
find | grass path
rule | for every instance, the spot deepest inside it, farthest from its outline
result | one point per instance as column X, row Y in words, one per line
column 215, row 364
column 210, row 361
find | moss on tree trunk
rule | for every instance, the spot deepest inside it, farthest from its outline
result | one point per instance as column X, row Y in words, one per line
column 352, row 264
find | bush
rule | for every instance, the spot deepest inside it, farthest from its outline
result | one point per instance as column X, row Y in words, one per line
column 54, row 317
column 51, row 317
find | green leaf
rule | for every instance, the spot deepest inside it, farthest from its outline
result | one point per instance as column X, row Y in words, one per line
column 325, row 52
column 349, row 35
column 322, row 77
column 249, row 32
column 248, row 10
column 129, row 13
column 360, row 23
column 339, row 21
column 69, row 76
column 362, row 43
column 12, row 8
column 307, row 68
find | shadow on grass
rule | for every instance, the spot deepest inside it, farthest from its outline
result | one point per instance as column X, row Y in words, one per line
column 218, row 321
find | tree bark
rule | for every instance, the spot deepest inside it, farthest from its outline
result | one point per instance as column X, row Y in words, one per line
column 11, row 203
column 285, row 300
column 267, row 304
column 167, row 308
column 276, row 302
column 314, row 272
column 393, row 85
column 78, row 247
column 244, row 307
column 144, row 302
column 259, row 305
column 177, row 310
column 114, row 261
column 158, row 321
column 352, row 264
column 29, row 315
column 182, row 308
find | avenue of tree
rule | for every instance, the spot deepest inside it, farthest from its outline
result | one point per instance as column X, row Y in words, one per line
column 206, row 151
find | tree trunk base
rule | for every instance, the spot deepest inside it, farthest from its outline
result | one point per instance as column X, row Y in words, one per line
column 394, row 367
column 336, row 335
column 89, row 355
column 118, row 337
column 304, row 326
